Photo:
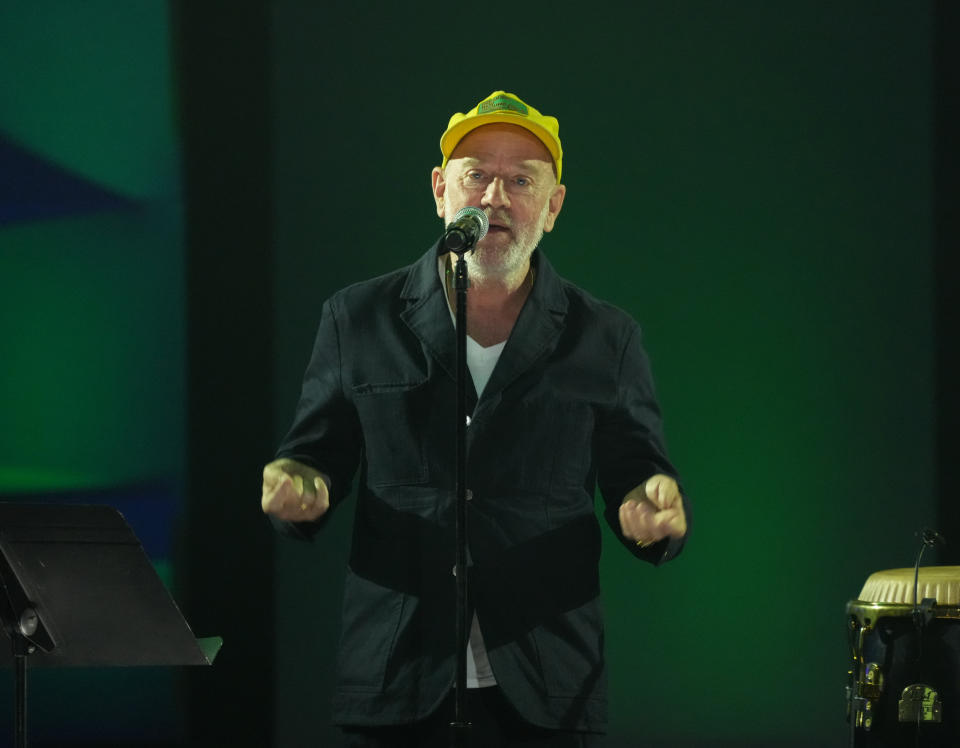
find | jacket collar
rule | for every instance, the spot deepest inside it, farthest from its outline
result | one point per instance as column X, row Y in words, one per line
column 534, row 335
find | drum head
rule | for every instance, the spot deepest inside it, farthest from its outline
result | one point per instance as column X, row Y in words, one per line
column 896, row 585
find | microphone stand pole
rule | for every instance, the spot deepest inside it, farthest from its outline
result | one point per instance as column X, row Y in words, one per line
column 460, row 727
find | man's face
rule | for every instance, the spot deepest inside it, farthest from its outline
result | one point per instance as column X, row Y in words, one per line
column 508, row 173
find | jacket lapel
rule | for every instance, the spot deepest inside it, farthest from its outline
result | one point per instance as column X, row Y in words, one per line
column 537, row 329
column 427, row 314
column 535, row 334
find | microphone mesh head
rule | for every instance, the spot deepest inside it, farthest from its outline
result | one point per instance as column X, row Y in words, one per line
column 474, row 213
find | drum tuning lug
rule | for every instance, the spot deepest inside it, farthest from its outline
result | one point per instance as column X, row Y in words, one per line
column 919, row 703
column 863, row 694
column 872, row 680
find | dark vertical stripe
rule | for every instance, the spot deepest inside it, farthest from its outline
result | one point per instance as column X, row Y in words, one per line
column 947, row 264
column 225, row 559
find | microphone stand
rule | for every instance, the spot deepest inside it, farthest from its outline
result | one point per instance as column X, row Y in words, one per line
column 469, row 225
column 460, row 727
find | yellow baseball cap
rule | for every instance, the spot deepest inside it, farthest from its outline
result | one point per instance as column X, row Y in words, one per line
column 501, row 106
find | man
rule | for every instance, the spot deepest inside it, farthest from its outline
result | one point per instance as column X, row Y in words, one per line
column 561, row 402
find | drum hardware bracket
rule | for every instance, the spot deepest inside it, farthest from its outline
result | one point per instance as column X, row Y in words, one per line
column 872, row 685
column 862, row 712
column 923, row 613
column 864, row 694
column 919, row 703
column 866, row 679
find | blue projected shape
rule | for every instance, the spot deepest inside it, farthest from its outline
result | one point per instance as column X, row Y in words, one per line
column 32, row 189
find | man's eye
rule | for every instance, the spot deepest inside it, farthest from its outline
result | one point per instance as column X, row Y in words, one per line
column 522, row 181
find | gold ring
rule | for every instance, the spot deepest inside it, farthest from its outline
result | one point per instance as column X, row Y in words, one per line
column 644, row 543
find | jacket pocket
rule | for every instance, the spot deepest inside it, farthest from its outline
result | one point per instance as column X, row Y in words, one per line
column 571, row 653
column 371, row 615
column 392, row 417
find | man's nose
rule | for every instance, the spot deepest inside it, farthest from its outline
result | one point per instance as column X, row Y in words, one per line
column 496, row 194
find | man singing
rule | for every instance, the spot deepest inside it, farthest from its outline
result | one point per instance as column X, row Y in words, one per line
column 561, row 402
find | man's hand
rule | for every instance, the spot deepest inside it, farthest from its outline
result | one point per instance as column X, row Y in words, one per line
column 653, row 511
column 293, row 491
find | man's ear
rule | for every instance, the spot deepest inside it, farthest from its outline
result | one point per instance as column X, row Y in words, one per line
column 556, row 203
column 439, row 185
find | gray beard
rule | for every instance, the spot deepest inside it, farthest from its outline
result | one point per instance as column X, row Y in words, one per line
column 501, row 265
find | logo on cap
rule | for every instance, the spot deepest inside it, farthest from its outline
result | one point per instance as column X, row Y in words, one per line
column 502, row 104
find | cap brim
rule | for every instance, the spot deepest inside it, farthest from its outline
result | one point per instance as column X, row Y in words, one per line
column 452, row 137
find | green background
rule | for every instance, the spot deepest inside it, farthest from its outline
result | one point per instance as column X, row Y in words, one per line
column 753, row 181
column 92, row 314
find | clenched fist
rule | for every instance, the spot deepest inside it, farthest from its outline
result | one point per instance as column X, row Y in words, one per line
column 653, row 511
column 294, row 492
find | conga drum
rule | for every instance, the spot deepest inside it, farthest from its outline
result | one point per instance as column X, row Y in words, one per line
column 903, row 686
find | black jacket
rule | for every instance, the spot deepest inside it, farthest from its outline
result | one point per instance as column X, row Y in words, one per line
column 569, row 406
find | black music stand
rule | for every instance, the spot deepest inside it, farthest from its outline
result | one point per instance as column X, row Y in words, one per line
column 77, row 589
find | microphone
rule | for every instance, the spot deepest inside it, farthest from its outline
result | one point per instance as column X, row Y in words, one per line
column 468, row 227
column 932, row 537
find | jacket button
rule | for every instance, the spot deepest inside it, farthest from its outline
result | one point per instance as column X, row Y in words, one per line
column 469, row 495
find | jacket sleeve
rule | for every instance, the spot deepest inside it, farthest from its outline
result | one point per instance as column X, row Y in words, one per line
column 325, row 433
column 630, row 446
